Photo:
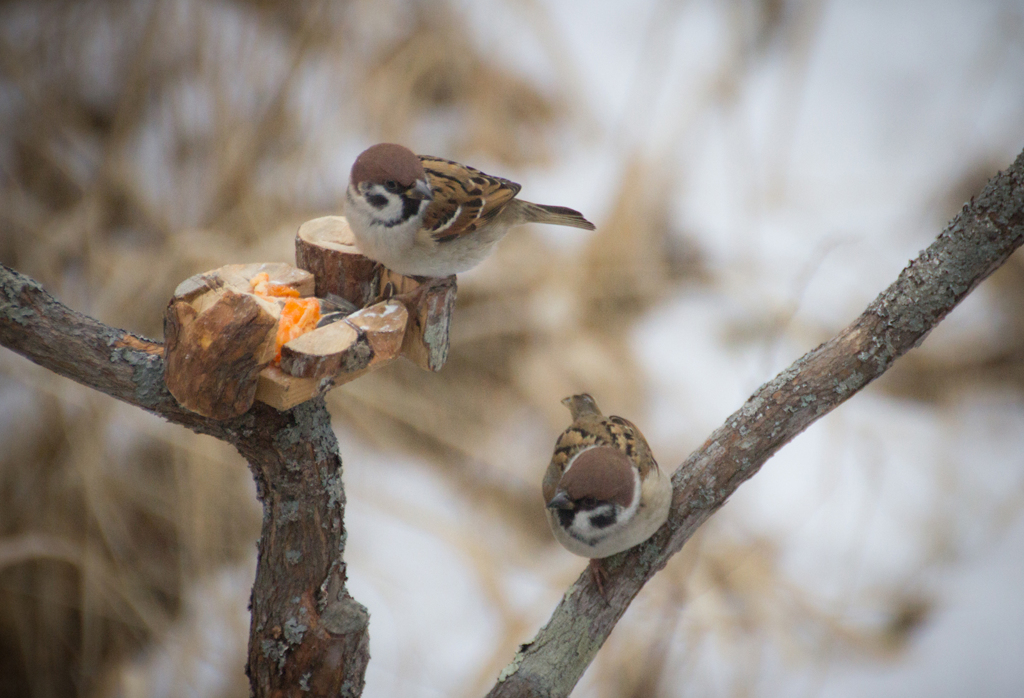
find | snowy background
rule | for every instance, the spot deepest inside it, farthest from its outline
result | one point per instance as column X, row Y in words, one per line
column 758, row 173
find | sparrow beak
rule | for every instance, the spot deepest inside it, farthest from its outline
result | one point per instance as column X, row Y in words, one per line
column 561, row 501
column 421, row 190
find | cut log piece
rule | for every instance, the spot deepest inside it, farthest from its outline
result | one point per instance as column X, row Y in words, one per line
column 239, row 276
column 366, row 340
column 391, row 284
column 326, row 247
column 214, row 355
column 430, row 313
column 326, row 351
column 384, row 324
column 347, row 349
column 219, row 336
column 280, row 273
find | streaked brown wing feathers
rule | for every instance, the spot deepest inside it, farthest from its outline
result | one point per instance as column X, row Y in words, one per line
column 464, row 198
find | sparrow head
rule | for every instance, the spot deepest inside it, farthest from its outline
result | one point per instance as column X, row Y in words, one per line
column 598, row 491
column 387, row 171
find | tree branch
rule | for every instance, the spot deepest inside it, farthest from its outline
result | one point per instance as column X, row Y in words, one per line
column 974, row 244
column 307, row 635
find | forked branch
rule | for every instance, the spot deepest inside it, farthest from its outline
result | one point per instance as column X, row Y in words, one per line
column 975, row 243
column 307, row 635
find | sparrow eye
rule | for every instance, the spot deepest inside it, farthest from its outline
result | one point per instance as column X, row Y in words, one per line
column 391, row 185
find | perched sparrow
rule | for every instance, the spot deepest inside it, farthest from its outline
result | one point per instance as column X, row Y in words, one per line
column 424, row 216
column 603, row 490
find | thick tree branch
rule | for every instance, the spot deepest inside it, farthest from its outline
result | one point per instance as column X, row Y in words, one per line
column 974, row 244
column 307, row 637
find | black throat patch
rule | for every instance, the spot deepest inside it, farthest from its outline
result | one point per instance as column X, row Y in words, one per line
column 410, row 207
column 605, row 519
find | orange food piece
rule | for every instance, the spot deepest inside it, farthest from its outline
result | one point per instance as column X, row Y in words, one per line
column 261, row 286
column 299, row 315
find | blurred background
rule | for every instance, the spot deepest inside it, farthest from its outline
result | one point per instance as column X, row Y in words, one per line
column 758, row 171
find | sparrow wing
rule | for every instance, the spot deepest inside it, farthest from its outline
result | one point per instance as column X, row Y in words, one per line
column 626, row 437
column 464, row 198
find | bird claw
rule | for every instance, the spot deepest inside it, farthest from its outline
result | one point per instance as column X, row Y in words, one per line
column 599, row 574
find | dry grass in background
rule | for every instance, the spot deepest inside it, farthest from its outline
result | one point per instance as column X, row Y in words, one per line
column 145, row 142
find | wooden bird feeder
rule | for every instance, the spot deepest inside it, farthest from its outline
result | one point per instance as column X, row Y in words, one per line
column 221, row 329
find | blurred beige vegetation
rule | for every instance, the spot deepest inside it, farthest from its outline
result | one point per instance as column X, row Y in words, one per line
column 144, row 142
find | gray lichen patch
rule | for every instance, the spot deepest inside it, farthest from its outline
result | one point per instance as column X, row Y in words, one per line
column 275, row 651
column 294, row 631
column 705, row 497
column 12, row 308
column 345, row 617
column 751, row 407
column 512, row 667
column 649, row 557
column 287, row 438
column 333, row 486
column 289, row 513
column 317, row 433
column 851, row 384
column 148, row 377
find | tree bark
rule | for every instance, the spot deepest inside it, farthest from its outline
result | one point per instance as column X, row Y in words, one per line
column 973, row 245
column 308, row 637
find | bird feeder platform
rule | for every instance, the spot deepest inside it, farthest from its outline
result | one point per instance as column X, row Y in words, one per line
column 225, row 331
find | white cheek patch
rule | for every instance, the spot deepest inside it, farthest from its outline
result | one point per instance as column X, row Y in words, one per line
column 595, row 524
column 387, row 215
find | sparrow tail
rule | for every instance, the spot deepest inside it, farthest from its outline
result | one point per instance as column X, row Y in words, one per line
column 581, row 404
column 553, row 215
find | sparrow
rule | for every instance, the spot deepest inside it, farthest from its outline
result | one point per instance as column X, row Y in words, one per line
column 420, row 215
column 603, row 490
